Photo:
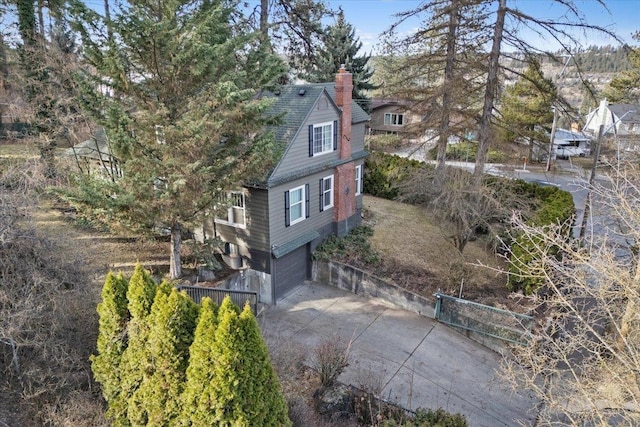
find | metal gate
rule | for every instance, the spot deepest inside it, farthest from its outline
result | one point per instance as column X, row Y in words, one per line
column 494, row 322
column 240, row 298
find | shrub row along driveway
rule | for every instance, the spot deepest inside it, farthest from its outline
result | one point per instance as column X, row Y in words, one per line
column 413, row 360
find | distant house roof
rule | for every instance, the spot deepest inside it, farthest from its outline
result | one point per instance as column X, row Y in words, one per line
column 383, row 102
column 95, row 148
column 614, row 114
column 632, row 110
column 567, row 135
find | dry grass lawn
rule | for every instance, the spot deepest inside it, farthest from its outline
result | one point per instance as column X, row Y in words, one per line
column 417, row 254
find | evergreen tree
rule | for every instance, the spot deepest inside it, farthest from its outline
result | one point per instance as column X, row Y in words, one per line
column 263, row 402
column 244, row 391
column 526, row 110
column 171, row 325
column 196, row 398
column 436, row 69
column 624, row 88
column 112, row 324
column 179, row 109
column 140, row 295
column 340, row 46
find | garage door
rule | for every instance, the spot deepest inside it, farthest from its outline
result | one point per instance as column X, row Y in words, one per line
column 291, row 270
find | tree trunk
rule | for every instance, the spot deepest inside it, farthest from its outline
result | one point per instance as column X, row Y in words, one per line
column 443, row 129
column 175, row 264
column 41, row 20
column 264, row 19
column 490, row 94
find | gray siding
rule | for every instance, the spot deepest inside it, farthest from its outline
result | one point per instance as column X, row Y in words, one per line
column 317, row 220
column 357, row 137
column 297, row 154
column 252, row 241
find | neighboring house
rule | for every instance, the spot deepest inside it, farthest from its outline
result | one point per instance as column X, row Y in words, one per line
column 391, row 116
column 619, row 120
column 568, row 143
column 95, row 154
column 271, row 228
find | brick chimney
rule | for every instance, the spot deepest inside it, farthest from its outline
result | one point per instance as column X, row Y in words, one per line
column 344, row 87
column 344, row 185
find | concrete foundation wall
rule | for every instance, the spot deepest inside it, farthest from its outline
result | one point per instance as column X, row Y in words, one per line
column 250, row 280
column 362, row 283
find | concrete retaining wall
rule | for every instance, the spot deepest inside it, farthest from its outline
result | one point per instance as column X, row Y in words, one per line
column 359, row 282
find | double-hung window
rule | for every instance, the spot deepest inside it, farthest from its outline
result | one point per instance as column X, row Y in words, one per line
column 393, row 119
column 235, row 213
column 323, row 138
column 326, row 193
column 296, row 205
column 358, row 180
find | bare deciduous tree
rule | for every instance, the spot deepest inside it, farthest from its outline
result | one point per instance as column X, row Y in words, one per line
column 583, row 362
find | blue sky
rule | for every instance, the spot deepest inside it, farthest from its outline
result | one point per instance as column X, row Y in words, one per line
column 372, row 17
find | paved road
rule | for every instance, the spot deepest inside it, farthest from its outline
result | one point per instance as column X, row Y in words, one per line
column 414, row 360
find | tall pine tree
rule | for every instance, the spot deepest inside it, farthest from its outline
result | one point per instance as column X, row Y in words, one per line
column 341, row 46
column 624, row 87
column 175, row 89
column 526, row 108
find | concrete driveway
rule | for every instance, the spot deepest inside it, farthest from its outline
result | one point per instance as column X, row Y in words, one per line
column 414, row 360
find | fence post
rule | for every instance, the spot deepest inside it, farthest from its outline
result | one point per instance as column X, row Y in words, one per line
column 438, row 304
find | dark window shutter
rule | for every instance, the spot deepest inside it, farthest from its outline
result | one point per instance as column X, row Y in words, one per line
column 321, row 192
column 335, row 135
column 306, row 201
column 361, row 179
column 287, row 207
column 310, row 140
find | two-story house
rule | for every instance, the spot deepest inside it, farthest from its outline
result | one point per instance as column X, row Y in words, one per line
column 619, row 120
column 314, row 190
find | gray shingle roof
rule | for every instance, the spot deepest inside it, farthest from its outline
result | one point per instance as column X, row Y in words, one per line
column 620, row 109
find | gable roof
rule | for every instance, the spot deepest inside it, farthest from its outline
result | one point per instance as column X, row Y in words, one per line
column 632, row 110
column 295, row 102
column 96, row 147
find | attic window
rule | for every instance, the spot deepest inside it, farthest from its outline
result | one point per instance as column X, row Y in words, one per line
column 301, row 92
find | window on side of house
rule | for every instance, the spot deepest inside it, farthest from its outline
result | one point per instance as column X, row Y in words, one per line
column 323, row 138
column 326, row 193
column 296, row 205
column 359, row 180
column 235, row 214
column 393, row 119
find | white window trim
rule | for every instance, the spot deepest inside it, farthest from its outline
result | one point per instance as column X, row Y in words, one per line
column 330, row 150
column 302, row 205
column 230, row 210
column 358, row 179
column 330, row 191
column 391, row 119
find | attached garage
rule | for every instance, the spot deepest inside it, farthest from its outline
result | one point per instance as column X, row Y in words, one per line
column 290, row 270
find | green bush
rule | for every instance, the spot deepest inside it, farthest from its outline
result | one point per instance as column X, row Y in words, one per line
column 466, row 152
column 385, row 173
column 346, row 249
column 553, row 206
column 385, row 142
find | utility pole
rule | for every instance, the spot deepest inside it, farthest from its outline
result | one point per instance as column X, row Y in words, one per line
column 555, row 119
